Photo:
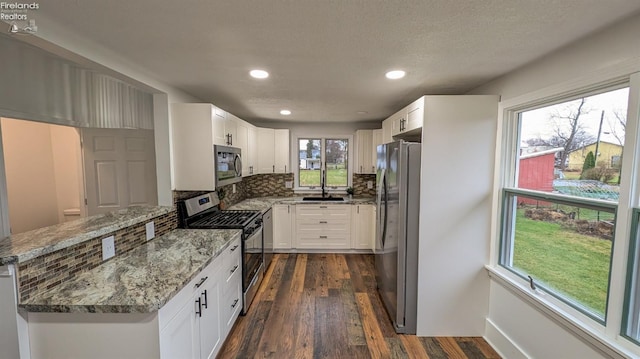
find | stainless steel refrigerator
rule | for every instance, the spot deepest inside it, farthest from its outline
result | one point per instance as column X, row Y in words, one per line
column 398, row 216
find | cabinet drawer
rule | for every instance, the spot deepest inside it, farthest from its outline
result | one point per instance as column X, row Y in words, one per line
column 341, row 227
column 232, row 273
column 323, row 210
column 321, row 240
column 231, row 305
column 323, row 222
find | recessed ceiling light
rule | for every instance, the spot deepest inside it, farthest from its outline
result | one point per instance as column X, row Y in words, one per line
column 362, row 112
column 285, row 112
column 395, row 74
column 259, row 74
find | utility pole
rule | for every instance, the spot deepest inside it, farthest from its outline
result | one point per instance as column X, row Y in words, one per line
column 598, row 140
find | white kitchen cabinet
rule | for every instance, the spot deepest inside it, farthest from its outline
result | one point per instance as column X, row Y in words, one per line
column 266, row 150
column 281, row 151
column 323, row 227
column 387, row 130
column 245, row 140
column 283, row 226
column 252, row 147
column 415, row 115
column 365, row 154
column 273, row 150
column 363, row 226
column 406, row 123
column 219, row 133
column 194, row 126
column 376, row 139
column 179, row 339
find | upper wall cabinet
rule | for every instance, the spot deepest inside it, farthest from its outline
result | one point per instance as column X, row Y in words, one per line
column 366, row 152
column 245, row 139
column 405, row 124
column 194, row 127
column 273, row 150
column 227, row 127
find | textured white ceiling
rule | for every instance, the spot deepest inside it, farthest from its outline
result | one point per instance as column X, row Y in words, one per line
column 327, row 58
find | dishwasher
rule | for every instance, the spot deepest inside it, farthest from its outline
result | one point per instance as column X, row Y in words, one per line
column 267, row 237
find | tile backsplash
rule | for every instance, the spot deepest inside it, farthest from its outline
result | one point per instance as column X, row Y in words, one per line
column 269, row 185
column 360, row 185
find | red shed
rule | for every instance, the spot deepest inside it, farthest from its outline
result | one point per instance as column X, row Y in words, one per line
column 536, row 171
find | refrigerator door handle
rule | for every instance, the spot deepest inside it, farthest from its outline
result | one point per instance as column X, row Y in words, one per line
column 382, row 197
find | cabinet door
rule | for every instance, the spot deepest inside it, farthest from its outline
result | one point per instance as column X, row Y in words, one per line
column 179, row 339
column 252, row 146
column 210, row 320
column 387, row 130
column 242, row 142
column 282, row 223
column 266, row 150
column 363, row 226
column 230, row 130
column 363, row 163
column 415, row 114
column 193, row 132
column 219, row 134
column 281, row 151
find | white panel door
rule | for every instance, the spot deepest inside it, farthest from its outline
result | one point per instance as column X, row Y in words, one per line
column 119, row 169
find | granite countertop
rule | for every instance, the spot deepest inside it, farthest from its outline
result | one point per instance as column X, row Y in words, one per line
column 21, row 247
column 264, row 203
column 139, row 281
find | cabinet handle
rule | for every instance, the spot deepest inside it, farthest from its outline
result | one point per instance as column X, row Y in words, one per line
column 373, row 169
column 231, row 139
column 234, row 248
column 274, row 168
column 202, row 280
column 205, row 299
column 234, row 268
column 323, row 206
column 285, row 168
column 360, row 169
column 323, row 237
column 235, row 302
column 323, row 222
column 199, row 310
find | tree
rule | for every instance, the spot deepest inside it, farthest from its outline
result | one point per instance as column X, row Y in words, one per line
column 589, row 163
column 568, row 131
column 310, row 147
column 618, row 126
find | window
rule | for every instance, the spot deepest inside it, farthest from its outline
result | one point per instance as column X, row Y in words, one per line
column 319, row 154
column 559, row 206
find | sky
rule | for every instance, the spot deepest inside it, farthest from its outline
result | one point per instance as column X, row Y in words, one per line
column 537, row 123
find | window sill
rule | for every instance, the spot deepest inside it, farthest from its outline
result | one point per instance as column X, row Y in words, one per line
column 591, row 333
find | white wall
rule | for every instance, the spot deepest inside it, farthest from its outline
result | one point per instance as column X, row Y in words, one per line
column 513, row 322
column 30, row 175
column 455, row 214
column 65, row 148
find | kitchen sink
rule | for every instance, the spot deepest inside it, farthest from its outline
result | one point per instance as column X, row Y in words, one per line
column 328, row 199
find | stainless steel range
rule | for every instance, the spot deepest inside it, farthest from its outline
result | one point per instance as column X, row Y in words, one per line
column 202, row 212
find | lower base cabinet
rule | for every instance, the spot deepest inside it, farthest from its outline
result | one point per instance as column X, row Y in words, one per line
column 192, row 325
column 363, row 231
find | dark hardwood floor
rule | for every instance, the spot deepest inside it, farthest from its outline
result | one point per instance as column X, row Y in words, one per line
column 327, row 306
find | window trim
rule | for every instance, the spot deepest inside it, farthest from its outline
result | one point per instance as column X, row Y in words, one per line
column 506, row 254
column 323, row 138
column 607, row 339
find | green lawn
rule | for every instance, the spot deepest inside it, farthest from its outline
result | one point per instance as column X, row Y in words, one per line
column 574, row 264
column 335, row 177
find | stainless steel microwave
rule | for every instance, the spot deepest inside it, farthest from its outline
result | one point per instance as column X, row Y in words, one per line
column 228, row 162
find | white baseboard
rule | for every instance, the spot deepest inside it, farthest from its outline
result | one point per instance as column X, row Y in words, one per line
column 501, row 342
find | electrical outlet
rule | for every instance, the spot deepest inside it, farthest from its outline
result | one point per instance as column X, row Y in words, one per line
column 151, row 230
column 288, row 184
column 108, row 247
column 233, row 188
column 369, row 184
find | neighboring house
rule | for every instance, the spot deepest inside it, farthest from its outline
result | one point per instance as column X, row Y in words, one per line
column 536, row 171
column 610, row 153
column 309, row 163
